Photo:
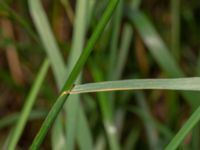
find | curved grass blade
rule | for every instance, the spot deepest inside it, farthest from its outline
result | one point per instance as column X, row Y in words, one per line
column 76, row 121
column 192, row 84
column 187, row 127
column 157, row 47
column 160, row 52
column 57, row 63
column 29, row 102
column 57, row 132
column 73, row 76
column 48, row 40
column 89, row 47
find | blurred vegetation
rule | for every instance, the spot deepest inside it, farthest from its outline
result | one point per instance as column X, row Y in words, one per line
column 143, row 39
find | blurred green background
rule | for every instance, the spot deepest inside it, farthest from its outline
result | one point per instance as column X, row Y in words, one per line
column 143, row 39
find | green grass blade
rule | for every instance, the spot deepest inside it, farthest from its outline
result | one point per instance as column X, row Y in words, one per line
column 90, row 11
column 29, row 102
column 73, row 75
column 175, row 31
column 5, row 143
column 192, row 84
column 71, row 107
column 57, row 135
column 77, row 47
column 160, row 52
column 187, row 127
column 155, row 44
column 84, row 136
column 78, row 33
column 126, row 37
column 127, row 34
column 114, row 40
column 12, row 119
column 135, row 4
column 48, row 122
column 107, row 112
column 151, row 131
column 89, row 47
column 74, row 126
column 132, row 138
column 48, row 40
column 117, row 17
column 68, row 10
column 106, row 101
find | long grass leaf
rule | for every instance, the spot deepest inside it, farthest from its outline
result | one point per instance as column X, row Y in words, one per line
column 117, row 17
column 73, row 75
column 157, row 47
column 109, row 103
column 84, row 136
column 160, row 51
column 29, row 102
column 48, row 40
column 73, row 106
column 127, row 34
column 57, row 134
column 187, row 127
column 57, row 130
column 192, row 84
